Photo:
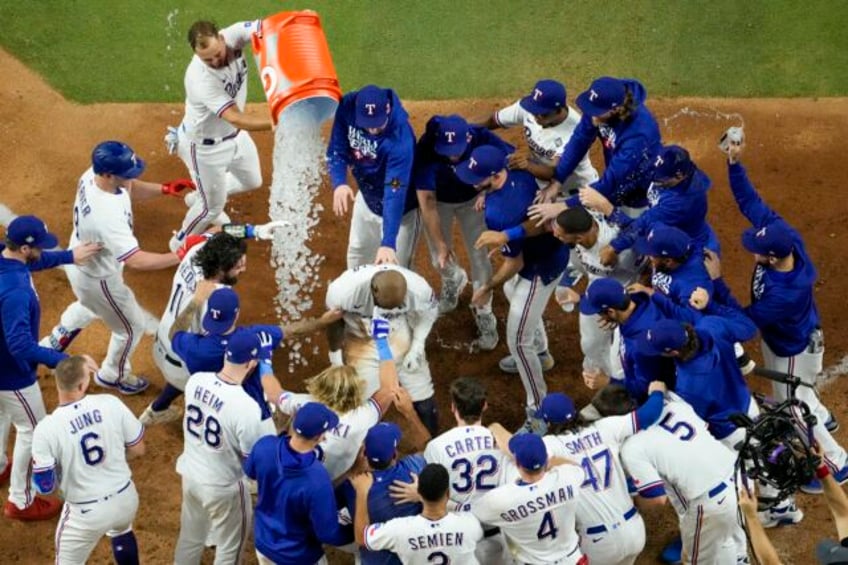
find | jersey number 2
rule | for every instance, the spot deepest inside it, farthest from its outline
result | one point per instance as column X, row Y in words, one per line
column 438, row 558
column 208, row 429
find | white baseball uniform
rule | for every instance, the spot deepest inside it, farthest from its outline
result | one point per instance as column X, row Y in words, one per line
column 221, row 159
column 595, row 342
column 419, row 541
column 366, row 234
column 611, row 529
column 25, row 409
column 220, row 425
column 537, row 520
column 341, row 445
column 105, row 217
column 85, row 443
column 696, row 470
column 547, row 144
column 410, row 324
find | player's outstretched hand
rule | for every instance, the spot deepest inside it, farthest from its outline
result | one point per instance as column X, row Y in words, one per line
column 403, row 402
column 748, row 500
column 731, row 143
column 548, row 193
column 189, row 242
column 380, row 328
column 172, row 140
column 414, row 359
column 491, row 239
column 699, row 299
column 331, row 316
column 608, row 256
column 444, row 255
column 657, row 386
column 545, row 211
column 634, row 288
column 362, row 482
column 481, row 295
column 265, row 232
column 404, row 493
column 90, row 363
column 177, row 187
column 595, row 379
column 266, row 343
column 385, row 256
column 480, row 203
column 565, row 295
column 712, row 264
column 85, row 251
column 594, row 200
column 518, row 161
column 342, row 198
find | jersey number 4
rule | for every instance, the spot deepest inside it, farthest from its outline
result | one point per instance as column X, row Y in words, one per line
column 486, row 467
column 547, row 529
column 209, row 429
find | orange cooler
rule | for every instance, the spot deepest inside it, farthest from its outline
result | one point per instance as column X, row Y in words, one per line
column 295, row 66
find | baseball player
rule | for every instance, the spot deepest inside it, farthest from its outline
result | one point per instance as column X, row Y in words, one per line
column 531, row 268
column 536, row 514
column 783, row 306
column 83, row 448
column 679, row 460
column 444, row 198
column 614, row 111
column 372, row 135
column 408, row 302
column 103, row 213
column 221, row 425
column 21, row 403
column 296, row 511
column 212, row 139
column 434, row 536
column 548, row 122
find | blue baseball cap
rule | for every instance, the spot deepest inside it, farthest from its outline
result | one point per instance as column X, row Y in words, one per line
column 451, row 136
column 603, row 95
column 381, row 442
column 665, row 241
column 664, row 337
column 32, row 231
column 372, row 107
column 556, row 408
column 313, row 419
column 774, row 240
column 485, row 161
column 242, row 347
column 116, row 158
column 529, row 451
column 602, row 294
column 222, row 309
column 671, row 161
column 547, row 96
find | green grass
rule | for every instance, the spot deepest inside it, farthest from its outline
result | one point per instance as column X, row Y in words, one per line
column 102, row 50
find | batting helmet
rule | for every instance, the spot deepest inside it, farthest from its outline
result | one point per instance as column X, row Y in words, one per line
column 116, row 158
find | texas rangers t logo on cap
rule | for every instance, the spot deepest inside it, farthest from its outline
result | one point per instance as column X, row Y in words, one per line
column 450, row 135
column 537, row 93
column 592, row 95
column 370, row 108
column 658, row 163
column 471, row 163
column 761, row 232
column 215, row 313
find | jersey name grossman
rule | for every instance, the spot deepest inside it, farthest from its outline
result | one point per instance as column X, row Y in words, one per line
column 539, row 504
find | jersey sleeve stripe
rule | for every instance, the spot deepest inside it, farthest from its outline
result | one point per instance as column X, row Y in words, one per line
column 634, row 421
column 224, row 108
column 129, row 254
column 36, row 469
column 497, row 118
column 137, row 440
column 373, row 402
column 365, row 538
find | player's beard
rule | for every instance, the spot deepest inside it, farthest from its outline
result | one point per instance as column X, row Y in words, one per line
column 228, row 280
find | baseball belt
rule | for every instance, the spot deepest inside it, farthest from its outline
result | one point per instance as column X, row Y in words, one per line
column 175, row 362
column 594, row 530
column 107, row 497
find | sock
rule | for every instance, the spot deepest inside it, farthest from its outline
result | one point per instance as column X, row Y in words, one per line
column 166, row 397
column 125, row 549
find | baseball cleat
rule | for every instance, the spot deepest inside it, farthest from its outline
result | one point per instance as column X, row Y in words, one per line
column 785, row 514
column 128, row 386
column 532, row 425
column 746, row 364
column 487, row 327
column 832, row 425
column 7, row 472
column 151, row 417
column 508, row 364
column 672, row 553
column 42, row 508
column 451, row 289
column 815, row 486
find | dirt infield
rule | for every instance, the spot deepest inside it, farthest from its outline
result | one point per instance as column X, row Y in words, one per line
column 795, row 157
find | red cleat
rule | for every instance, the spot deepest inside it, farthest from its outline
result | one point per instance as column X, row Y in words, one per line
column 42, row 508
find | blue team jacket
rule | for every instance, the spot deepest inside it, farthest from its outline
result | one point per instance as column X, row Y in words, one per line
column 296, row 510
column 629, row 151
column 381, row 165
column 683, row 206
column 682, row 281
column 782, row 304
column 20, row 315
column 434, row 172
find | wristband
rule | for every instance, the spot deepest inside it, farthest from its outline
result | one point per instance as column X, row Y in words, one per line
column 517, row 232
column 383, row 350
column 822, row 472
column 336, row 358
column 265, row 368
column 240, row 231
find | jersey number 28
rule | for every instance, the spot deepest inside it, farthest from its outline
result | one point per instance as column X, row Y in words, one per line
column 207, row 428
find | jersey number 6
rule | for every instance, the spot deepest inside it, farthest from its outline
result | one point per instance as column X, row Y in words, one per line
column 91, row 452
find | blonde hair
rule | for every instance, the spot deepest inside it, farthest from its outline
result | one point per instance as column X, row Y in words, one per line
column 339, row 387
column 70, row 372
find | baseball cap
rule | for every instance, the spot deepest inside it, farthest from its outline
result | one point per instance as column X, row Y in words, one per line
column 30, row 230
column 222, row 308
column 313, row 419
column 665, row 336
column 242, row 347
column 116, row 158
column 831, row 552
column 774, row 239
column 485, row 161
column 381, row 442
column 372, row 107
column 665, row 241
column 529, row 451
column 451, row 136
column 602, row 294
column 556, row 408
column 603, row 95
column 670, row 161
column 547, row 96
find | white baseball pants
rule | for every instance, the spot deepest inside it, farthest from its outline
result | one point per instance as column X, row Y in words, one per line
column 81, row 526
column 223, row 514
column 170, row 365
column 262, row 560
column 366, row 233
column 220, row 170
column 808, row 365
column 24, row 408
column 471, row 225
column 709, row 527
column 112, row 301
column 525, row 331
column 597, row 346
column 5, row 424
column 621, row 544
